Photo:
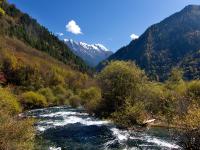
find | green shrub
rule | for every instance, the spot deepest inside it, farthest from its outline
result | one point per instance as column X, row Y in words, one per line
column 118, row 81
column 8, row 102
column 32, row 100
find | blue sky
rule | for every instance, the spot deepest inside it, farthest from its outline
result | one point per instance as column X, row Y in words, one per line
column 109, row 22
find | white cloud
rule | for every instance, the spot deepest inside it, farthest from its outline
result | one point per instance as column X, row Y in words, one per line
column 134, row 36
column 59, row 34
column 73, row 27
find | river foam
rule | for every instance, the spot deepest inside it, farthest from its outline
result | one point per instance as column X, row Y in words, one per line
column 63, row 117
column 67, row 118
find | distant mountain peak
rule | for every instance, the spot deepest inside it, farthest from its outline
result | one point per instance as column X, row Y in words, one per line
column 97, row 46
column 92, row 54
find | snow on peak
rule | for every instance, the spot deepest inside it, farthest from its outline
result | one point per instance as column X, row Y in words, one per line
column 98, row 47
column 101, row 47
column 70, row 41
column 88, row 46
column 91, row 53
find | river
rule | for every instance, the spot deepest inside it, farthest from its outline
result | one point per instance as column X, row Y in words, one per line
column 66, row 128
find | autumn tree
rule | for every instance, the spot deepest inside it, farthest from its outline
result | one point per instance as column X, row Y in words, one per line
column 119, row 81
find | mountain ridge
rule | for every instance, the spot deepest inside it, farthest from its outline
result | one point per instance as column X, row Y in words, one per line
column 163, row 45
column 92, row 54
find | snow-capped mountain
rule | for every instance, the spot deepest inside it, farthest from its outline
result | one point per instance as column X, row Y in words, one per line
column 92, row 54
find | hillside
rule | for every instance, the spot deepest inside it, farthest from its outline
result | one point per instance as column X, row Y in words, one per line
column 92, row 54
column 19, row 25
column 31, row 79
column 174, row 42
column 34, row 60
column 27, row 68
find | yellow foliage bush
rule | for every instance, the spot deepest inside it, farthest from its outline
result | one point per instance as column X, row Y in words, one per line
column 130, row 115
column 48, row 93
column 91, row 98
column 16, row 134
column 118, row 81
column 32, row 100
column 194, row 89
column 8, row 102
column 2, row 12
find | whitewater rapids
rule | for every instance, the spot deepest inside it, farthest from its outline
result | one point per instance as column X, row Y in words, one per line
column 66, row 128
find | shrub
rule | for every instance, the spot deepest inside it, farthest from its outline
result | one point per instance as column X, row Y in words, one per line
column 8, row 102
column 69, row 93
column 153, row 94
column 75, row 101
column 16, row 134
column 61, row 94
column 59, row 90
column 91, row 98
column 130, row 115
column 54, row 78
column 47, row 92
column 2, row 12
column 194, row 90
column 32, row 100
column 9, row 66
column 176, row 75
column 159, row 101
column 118, row 81
column 18, row 73
column 189, row 128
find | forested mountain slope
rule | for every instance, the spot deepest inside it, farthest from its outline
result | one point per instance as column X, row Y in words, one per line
column 19, row 25
column 174, row 42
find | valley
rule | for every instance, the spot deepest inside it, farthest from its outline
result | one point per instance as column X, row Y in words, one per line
column 58, row 94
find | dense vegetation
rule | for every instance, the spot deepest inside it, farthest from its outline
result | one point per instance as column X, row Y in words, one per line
column 129, row 98
column 15, row 133
column 174, row 42
column 39, row 82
